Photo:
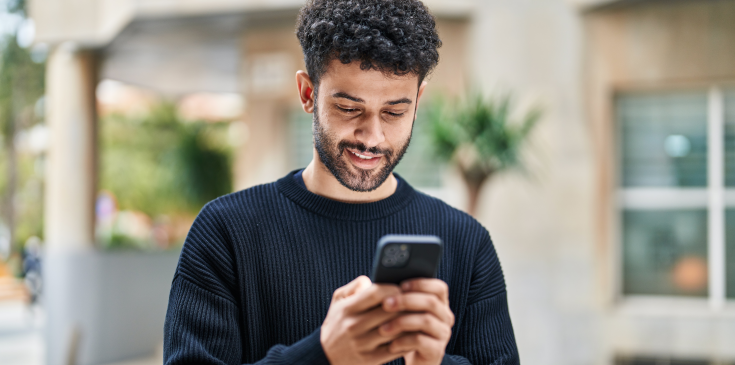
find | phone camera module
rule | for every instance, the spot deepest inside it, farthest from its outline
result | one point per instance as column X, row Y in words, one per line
column 395, row 255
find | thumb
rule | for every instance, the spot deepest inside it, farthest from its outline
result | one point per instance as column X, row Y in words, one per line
column 360, row 283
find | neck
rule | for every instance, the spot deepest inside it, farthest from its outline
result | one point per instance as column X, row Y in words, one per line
column 320, row 181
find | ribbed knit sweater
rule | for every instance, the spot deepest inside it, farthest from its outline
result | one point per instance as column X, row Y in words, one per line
column 259, row 266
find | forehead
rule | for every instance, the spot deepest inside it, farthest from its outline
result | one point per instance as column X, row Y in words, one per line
column 369, row 85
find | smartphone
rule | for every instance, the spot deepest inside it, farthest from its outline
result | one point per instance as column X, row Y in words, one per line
column 403, row 257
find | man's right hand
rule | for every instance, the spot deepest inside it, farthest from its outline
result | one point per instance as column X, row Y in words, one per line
column 349, row 334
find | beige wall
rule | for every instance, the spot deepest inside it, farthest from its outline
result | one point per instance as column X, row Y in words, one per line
column 271, row 57
column 541, row 223
column 659, row 46
column 87, row 22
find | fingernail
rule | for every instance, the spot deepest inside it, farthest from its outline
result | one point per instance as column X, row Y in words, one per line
column 406, row 286
column 386, row 327
column 390, row 302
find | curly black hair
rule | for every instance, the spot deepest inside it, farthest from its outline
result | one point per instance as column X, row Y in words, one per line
column 393, row 36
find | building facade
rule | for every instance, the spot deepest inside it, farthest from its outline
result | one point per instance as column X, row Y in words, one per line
column 617, row 249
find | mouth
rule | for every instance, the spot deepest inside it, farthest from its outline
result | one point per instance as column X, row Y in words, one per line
column 363, row 160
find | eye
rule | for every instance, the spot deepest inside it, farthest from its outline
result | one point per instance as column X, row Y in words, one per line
column 346, row 110
column 395, row 114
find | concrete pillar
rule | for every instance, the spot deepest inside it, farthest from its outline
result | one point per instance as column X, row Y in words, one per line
column 71, row 78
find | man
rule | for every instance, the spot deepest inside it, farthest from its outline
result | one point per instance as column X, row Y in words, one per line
column 275, row 273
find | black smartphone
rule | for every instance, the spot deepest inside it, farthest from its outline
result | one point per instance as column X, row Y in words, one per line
column 403, row 257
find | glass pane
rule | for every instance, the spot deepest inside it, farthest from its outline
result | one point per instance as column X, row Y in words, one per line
column 663, row 139
column 302, row 143
column 419, row 166
column 665, row 252
column 730, row 251
column 730, row 137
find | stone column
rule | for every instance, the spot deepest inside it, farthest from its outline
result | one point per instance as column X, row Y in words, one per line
column 71, row 79
column 69, row 274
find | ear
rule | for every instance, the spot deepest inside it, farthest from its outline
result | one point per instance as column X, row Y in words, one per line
column 306, row 91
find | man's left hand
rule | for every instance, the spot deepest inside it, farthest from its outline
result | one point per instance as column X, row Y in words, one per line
column 426, row 324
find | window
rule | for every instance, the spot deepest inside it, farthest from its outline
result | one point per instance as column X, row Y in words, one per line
column 729, row 132
column 644, row 360
column 302, row 144
column 676, row 190
column 418, row 166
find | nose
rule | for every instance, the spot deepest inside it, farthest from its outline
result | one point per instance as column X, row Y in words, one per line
column 370, row 131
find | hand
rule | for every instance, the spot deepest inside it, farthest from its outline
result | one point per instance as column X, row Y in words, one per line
column 349, row 334
column 425, row 326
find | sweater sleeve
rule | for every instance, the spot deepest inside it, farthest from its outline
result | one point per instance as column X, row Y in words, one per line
column 485, row 335
column 203, row 323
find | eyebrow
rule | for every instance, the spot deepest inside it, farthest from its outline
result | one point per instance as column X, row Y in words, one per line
column 358, row 100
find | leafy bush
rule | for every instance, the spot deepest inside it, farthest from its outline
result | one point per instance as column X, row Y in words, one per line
column 161, row 165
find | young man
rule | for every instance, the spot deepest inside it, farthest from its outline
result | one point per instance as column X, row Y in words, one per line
column 275, row 273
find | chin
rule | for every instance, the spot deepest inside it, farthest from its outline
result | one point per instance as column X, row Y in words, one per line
column 364, row 181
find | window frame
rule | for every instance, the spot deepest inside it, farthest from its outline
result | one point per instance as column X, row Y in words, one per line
column 715, row 198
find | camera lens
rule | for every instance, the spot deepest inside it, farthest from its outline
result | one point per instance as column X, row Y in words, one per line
column 395, row 255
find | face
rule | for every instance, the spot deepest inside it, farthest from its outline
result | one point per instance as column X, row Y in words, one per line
column 363, row 122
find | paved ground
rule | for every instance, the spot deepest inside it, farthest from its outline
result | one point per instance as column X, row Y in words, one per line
column 21, row 340
column 21, row 337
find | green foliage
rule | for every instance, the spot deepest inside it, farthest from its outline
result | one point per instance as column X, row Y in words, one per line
column 16, row 6
column 21, row 86
column 161, row 165
column 205, row 168
column 118, row 241
column 479, row 134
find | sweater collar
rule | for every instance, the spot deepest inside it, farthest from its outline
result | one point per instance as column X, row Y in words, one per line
column 403, row 195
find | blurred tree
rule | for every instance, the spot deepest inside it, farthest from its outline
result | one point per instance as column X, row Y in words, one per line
column 21, row 86
column 205, row 167
column 161, row 165
column 479, row 136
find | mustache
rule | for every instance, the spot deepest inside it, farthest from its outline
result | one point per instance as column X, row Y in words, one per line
column 342, row 145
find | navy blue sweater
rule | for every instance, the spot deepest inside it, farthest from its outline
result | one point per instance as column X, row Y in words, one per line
column 259, row 266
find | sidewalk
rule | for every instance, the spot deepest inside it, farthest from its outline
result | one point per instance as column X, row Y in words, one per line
column 21, row 337
column 21, row 334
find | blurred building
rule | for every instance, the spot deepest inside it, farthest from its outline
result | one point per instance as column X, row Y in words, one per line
column 618, row 248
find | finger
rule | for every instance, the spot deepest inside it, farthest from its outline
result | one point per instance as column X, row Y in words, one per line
column 431, row 286
column 421, row 302
column 362, row 282
column 358, row 284
column 424, row 345
column 374, row 339
column 370, row 320
column 417, row 322
column 370, row 297
column 383, row 354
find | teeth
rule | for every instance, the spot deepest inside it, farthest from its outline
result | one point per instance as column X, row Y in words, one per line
column 362, row 156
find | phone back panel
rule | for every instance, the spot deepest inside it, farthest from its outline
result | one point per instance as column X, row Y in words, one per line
column 390, row 265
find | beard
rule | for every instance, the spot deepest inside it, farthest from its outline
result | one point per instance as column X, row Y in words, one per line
column 354, row 178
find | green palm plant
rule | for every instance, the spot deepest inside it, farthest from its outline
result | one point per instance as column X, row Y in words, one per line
column 479, row 136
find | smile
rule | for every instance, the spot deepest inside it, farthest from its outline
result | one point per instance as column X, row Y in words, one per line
column 363, row 160
column 364, row 157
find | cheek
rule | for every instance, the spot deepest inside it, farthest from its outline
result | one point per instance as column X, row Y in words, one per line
column 398, row 133
column 337, row 129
